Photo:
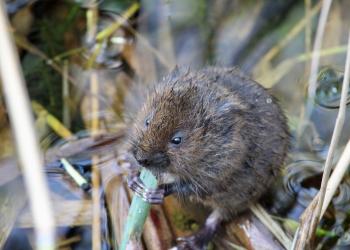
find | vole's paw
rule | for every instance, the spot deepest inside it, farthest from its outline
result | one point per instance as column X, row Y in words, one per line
column 153, row 196
column 128, row 162
column 193, row 242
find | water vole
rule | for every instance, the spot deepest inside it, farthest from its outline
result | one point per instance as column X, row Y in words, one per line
column 221, row 138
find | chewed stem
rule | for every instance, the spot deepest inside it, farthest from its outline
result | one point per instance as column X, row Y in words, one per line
column 138, row 213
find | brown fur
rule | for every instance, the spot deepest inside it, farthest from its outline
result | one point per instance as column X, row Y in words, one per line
column 235, row 136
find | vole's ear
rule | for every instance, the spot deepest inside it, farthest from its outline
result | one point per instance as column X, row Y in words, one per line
column 227, row 107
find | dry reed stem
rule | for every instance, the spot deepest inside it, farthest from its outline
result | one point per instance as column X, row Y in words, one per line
column 29, row 154
column 319, row 199
column 96, row 222
column 92, row 21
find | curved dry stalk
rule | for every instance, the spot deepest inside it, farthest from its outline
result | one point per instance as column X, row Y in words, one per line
column 31, row 160
column 336, row 133
column 319, row 199
column 336, row 177
column 316, row 57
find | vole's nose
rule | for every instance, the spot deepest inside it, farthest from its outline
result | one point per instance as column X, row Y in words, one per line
column 141, row 157
column 144, row 162
column 152, row 160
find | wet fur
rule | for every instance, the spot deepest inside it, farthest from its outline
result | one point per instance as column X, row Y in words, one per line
column 235, row 136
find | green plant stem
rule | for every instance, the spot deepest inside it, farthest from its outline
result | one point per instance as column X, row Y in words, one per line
column 138, row 213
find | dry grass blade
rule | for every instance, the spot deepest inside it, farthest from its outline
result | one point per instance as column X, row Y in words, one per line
column 274, row 228
column 308, row 15
column 270, row 78
column 263, row 64
column 29, row 154
column 52, row 121
column 12, row 202
column 315, row 216
column 65, row 96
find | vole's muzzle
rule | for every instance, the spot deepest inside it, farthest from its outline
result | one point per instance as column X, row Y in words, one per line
column 154, row 160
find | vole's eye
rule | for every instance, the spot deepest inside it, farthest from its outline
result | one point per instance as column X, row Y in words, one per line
column 176, row 140
column 147, row 122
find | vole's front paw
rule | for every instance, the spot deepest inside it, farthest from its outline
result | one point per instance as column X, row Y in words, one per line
column 153, row 196
column 128, row 163
column 190, row 243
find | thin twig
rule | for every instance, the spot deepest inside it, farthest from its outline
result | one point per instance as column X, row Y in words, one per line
column 23, row 43
column 335, row 138
column 107, row 32
column 30, row 157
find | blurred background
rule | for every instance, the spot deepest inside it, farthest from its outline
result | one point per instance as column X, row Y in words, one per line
column 88, row 65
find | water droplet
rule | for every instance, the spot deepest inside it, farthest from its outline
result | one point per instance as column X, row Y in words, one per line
column 334, row 90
